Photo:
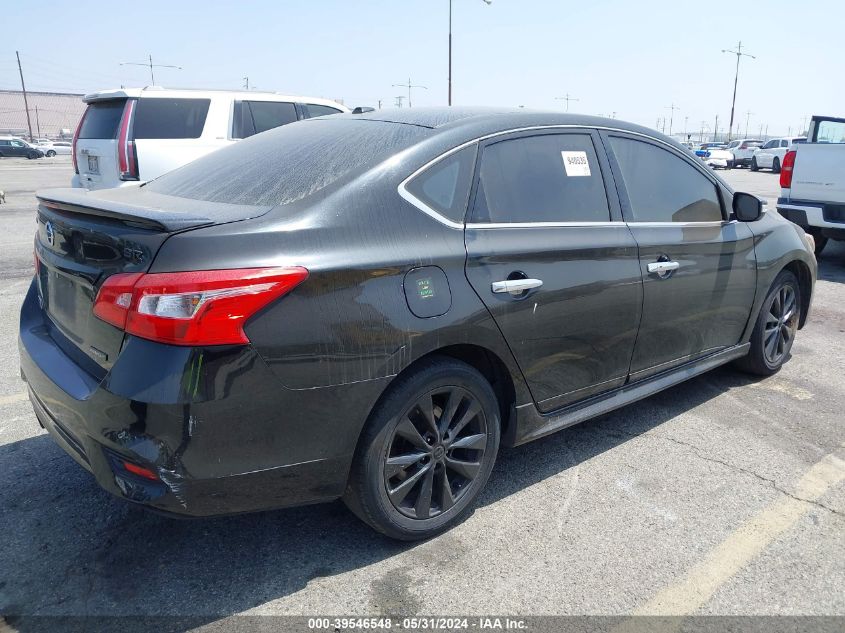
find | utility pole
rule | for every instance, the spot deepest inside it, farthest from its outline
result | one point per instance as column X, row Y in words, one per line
column 399, row 98
column 25, row 102
column 246, row 83
column 762, row 138
column 149, row 64
column 409, row 85
column 686, row 136
column 747, row 119
column 37, row 122
column 488, row 3
column 657, row 125
column 701, row 133
column 738, row 52
column 379, row 104
column 803, row 125
column 672, row 107
column 567, row 98
column 716, row 129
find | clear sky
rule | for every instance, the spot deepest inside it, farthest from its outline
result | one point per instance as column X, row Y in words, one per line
column 632, row 58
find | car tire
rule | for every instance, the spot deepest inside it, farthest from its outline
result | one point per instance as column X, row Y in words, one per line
column 31, row 155
column 776, row 166
column 773, row 334
column 754, row 166
column 50, row 154
column 426, row 451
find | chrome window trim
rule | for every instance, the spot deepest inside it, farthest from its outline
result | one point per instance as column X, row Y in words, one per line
column 436, row 215
column 531, row 225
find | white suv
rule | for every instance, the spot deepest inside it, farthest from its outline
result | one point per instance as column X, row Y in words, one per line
column 743, row 150
column 770, row 156
column 135, row 135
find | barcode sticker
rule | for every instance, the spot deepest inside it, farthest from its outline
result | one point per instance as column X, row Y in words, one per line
column 576, row 163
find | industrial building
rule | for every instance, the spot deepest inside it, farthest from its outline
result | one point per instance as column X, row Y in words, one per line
column 51, row 114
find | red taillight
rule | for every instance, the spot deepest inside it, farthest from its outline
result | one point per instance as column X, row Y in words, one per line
column 127, row 161
column 115, row 298
column 135, row 469
column 786, row 169
column 75, row 140
column 208, row 307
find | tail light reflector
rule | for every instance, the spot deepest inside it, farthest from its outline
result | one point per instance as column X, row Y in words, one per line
column 208, row 307
column 786, row 169
column 135, row 469
column 75, row 140
column 127, row 159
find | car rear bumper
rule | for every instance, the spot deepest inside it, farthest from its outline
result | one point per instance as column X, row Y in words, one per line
column 826, row 219
column 221, row 435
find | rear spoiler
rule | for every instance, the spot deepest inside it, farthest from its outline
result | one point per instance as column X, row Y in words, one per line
column 137, row 206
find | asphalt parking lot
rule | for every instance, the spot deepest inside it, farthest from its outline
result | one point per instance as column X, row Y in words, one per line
column 724, row 495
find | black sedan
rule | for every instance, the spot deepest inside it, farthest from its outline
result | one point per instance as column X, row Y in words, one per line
column 367, row 306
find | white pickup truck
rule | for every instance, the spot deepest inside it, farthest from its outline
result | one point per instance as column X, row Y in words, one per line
column 812, row 181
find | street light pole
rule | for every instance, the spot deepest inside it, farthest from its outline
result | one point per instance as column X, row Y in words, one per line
column 738, row 52
column 488, row 3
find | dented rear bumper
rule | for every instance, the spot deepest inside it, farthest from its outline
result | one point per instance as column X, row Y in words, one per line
column 214, row 425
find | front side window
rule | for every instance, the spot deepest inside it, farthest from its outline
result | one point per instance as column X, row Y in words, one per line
column 770, row 144
column 548, row 178
column 663, row 187
column 157, row 118
column 445, row 185
column 17, row 144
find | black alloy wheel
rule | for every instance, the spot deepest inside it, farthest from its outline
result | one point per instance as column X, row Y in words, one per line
column 781, row 324
column 776, row 327
column 435, row 452
column 426, row 452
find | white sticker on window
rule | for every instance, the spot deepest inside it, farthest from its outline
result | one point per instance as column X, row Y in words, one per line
column 576, row 163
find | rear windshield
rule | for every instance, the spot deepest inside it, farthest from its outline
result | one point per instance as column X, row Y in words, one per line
column 101, row 119
column 170, row 118
column 288, row 163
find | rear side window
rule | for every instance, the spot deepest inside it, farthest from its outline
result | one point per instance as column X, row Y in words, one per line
column 830, row 132
column 252, row 117
column 549, row 178
column 289, row 163
column 312, row 110
column 445, row 185
column 101, row 119
column 170, row 118
column 663, row 187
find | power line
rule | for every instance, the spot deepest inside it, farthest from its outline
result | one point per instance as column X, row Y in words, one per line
column 566, row 98
column 409, row 85
column 151, row 65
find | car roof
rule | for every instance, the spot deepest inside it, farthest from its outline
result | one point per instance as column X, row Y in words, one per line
column 159, row 91
column 473, row 122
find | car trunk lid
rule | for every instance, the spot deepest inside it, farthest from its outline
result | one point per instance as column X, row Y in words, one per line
column 85, row 237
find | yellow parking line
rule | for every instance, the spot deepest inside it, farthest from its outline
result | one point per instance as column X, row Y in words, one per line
column 746, row 542
column 15, row 397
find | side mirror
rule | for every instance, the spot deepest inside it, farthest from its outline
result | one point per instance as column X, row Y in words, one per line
column 747, row 207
